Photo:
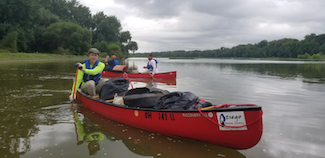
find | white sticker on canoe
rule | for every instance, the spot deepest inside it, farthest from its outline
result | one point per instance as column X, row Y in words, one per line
column 234, row 118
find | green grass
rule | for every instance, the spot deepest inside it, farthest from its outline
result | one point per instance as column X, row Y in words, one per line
column 22, row 56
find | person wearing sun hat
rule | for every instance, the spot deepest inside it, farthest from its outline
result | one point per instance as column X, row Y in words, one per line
column 89, row 75
column 111, row 61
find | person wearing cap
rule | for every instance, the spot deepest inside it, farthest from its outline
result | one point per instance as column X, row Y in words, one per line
column 89, row 75
column 111, row 62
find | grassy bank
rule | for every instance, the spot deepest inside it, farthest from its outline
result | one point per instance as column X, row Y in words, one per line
column 29, row 56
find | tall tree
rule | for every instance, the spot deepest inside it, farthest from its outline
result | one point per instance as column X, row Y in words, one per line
column 21, row 16
column 133, row 46
column 67, row 35
column 105, row 28
column 70, row 10
column 9, row 42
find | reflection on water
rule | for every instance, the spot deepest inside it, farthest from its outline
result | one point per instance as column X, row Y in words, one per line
column 36, row 119
column 311, row 73
column 87, row 134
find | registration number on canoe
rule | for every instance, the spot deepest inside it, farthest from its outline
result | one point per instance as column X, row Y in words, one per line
column 233, row 120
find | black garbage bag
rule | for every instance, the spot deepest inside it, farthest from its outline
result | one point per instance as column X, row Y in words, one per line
column 143, row 97
column 177, row 101
column 117, row 85
column 180, row 101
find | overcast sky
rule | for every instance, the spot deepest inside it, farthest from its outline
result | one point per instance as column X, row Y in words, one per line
column 166, row 25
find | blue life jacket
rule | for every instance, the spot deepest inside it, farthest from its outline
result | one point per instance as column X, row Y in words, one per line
column 112, row 66
column 87, row 77
column 149, row 67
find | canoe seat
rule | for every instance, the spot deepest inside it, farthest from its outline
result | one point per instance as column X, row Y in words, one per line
column 110, row 100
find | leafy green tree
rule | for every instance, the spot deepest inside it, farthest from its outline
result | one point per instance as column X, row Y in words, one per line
column 115, row 49
column 102, row 46
column 106, row 28
column 310, row 37
column 133, row 46
column 70, row 11
column 9, row 42
column 316, row 56
column 67, row 35
column 262, row 44
column 125, row 37
column 21, row 16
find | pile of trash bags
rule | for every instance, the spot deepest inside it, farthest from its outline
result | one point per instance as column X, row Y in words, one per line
column 150, row 97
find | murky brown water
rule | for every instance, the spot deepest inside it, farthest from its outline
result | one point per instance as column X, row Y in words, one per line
column 36, row 119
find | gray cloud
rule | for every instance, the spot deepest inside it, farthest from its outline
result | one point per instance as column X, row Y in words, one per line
column 211, row 24
column 154, row 8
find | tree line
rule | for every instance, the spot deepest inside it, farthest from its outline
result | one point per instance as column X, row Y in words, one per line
column 309, row 48
column 61, row 27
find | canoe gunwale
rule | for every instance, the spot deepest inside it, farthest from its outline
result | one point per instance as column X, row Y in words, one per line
column 161, row 75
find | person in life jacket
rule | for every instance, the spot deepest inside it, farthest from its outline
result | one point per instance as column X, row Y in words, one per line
column 111, row 62
column 89, row 75
column 86, row 135
column 152, row 64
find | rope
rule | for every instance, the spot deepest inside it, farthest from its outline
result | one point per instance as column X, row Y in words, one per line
column 226, row 105
column 125, row 76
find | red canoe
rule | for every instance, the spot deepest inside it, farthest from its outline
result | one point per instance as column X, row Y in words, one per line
column 165, row 75
column 236, row 126
column 147, row 143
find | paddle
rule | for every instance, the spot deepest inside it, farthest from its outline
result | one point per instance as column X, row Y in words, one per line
column 149, row 72
column 149, row 83
column 74, row 87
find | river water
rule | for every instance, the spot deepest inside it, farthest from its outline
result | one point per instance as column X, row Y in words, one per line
column 36, row 120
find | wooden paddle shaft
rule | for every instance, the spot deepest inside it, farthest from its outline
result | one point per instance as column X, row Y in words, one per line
column 75, row 84
column 149, row 73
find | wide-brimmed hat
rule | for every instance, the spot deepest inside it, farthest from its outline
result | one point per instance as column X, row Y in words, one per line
column 93, row 50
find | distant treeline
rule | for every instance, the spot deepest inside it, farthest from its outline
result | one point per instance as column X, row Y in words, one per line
column 61, row 27
column 309, row 47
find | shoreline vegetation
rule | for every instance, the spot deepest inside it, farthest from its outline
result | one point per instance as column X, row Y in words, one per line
column 17, row 57
column 14, row 57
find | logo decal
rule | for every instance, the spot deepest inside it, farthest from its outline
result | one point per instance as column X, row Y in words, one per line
column 235, row 118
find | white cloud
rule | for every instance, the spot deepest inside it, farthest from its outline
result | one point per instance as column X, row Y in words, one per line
column 160, row 25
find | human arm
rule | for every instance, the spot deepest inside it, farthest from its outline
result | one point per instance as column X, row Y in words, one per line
column 98, row 69
column 106, row 59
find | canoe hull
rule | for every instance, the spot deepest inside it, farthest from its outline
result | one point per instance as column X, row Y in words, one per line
column 189, row 124
column 148, row 143
column 166, row 75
